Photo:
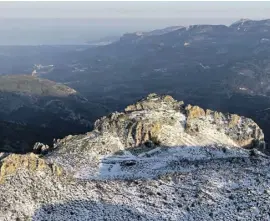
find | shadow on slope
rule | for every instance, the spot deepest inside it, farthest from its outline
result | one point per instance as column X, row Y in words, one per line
column 26, row 119
column 82, row 210
column 150, row 163
column 160, row 161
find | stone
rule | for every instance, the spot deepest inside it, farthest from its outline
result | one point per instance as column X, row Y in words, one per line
column 13, row 162
column 194, row 112
column 40, row 148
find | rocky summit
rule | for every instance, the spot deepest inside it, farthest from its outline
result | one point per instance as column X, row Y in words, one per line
column 158, row 160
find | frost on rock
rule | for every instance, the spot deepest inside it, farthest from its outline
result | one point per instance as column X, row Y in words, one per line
column 158, row 160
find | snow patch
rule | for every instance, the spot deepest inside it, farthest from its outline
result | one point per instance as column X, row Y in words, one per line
column 156, row 162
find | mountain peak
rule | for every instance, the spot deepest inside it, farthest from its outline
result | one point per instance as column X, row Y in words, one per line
column 159, row 122
column 158, row 151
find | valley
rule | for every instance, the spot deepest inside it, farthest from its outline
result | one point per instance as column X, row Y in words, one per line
column 225, row 68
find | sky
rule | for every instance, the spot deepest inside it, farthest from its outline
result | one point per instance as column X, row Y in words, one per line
column 31, row 23
column 77, row 9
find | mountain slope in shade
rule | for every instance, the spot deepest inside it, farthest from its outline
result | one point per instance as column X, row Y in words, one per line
column 48, row 109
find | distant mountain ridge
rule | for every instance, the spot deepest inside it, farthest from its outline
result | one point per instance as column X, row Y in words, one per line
column 103, row 41
column 242, row 23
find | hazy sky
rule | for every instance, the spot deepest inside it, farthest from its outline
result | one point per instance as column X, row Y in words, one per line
column 86, row 21
column 218, row 10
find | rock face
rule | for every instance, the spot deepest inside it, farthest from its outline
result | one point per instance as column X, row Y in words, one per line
column 14, row 162
column 40, row 148
column 156, row 116
column 243, row 131
column 157, row 160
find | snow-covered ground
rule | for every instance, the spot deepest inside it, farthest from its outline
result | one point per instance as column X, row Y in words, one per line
column 236, row 187
column 158, row 161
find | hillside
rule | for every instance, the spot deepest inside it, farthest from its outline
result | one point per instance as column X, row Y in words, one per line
column 34, row 109
column 28, row 84
column 158, row 160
